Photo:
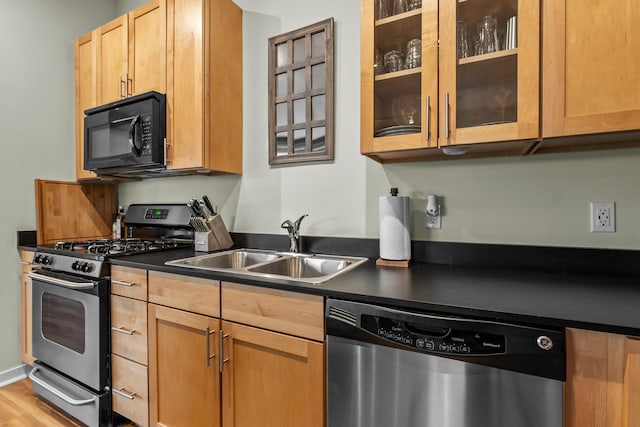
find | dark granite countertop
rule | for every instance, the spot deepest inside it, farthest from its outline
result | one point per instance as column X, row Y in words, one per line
column 604, row 302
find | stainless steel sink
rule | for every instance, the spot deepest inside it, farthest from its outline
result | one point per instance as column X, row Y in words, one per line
column 306, row 268
column 235, row 259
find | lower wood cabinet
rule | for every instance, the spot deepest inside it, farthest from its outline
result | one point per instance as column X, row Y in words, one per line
column 603, row 380
column 129, row 389
column 270, row 379
column 184, row 375
column 26, row 258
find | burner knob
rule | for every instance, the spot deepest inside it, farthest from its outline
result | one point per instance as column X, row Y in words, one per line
column 87, row 267
column 37, row 259
column 46, row 260
column 75, row 266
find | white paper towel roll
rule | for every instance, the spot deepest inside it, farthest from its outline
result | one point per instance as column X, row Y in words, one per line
column 395, row 240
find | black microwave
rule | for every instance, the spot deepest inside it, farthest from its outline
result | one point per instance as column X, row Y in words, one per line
column 126, row 137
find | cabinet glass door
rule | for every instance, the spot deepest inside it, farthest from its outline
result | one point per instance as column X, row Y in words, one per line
column 399, row 75
column 490, row 89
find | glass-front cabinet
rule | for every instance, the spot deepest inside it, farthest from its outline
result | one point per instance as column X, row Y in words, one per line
column 399, row 75
column 460, row 73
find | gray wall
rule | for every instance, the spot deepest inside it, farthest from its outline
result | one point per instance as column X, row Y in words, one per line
column 36, row 125
column 541, row 200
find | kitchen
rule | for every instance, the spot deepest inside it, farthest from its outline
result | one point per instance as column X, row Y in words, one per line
column 534, row 200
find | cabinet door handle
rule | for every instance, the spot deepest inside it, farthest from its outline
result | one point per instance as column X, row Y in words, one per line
column 25, row 263
column 129, row 88
column 446, row 115
column 427, row 117
column 121, row 391
column 122, row 83
column 209, row 356
column 222, row 359
column 121, row 283
column 123, row 330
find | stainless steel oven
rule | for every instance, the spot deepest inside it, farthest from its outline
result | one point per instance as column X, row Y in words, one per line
column 71, row 308
column 70, row 314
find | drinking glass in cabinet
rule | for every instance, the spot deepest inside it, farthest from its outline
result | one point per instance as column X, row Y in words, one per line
column 406, row 110
column 488, row 35
column 400, row 6
column 414, row 53
column 415, row 4
column 378, row 63
column 393, row 61
column 382, row 9
column 462, row 40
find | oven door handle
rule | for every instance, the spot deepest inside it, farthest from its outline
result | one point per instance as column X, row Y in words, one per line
column 55, row 391
column 61, row 282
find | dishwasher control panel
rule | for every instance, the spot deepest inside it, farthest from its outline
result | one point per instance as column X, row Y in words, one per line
column 434, row 339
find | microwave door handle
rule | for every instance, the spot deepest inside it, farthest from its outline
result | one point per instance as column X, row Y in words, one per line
column 61, row 282
column 135, row 138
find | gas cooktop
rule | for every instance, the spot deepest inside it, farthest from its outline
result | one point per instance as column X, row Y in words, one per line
column 112, row 247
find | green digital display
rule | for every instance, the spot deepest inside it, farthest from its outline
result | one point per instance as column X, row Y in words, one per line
column 158, row 213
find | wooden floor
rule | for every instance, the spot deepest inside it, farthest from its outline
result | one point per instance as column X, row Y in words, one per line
column 21, row 407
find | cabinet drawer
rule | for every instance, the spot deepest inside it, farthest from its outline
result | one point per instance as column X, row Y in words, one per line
column 129, row 282
column 129, row 328
column 282, row 311
column 185, row 292
column 130, row 393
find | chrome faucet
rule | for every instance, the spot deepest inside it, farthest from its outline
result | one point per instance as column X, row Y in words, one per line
column 293, row 228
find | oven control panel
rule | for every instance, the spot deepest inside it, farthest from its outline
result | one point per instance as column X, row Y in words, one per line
column 156, row 214
column 435, row 339
column 42, row 259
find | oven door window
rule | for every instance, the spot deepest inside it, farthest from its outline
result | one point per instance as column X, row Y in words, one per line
column 63, row 321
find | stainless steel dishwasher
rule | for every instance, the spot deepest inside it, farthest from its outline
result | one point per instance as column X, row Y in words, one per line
column 395, row 368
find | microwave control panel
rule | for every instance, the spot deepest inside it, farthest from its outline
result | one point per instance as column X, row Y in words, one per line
column 146, row 134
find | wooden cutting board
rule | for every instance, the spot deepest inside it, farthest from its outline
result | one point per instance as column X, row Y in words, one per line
column 73, row 211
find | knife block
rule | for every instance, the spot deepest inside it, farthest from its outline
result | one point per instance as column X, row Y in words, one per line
column 216, row 238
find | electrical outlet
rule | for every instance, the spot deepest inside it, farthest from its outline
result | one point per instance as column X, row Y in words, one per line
column 603, row 217
column 433, row 220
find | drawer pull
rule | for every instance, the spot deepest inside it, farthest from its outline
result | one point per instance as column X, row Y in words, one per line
column 121, row 283
column 123, row 330
column 26, row 263
column 123, row 393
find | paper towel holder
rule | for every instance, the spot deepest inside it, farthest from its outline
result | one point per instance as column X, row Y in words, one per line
column 381, row 262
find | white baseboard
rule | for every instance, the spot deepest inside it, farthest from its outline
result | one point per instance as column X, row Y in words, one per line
column 13, row 375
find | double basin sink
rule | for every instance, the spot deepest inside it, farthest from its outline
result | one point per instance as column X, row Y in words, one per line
column 306, row 268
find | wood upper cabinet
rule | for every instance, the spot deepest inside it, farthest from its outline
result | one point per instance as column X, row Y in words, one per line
column 271, row 379
column 147, row 61
column 85, row 94
column 26, row 258
column 489, row 96
column 591, row 67
column 204, row 86
column 184, row 376
column 486, row 95
column 603, row 380
column 131, row 53
column 111, row 60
